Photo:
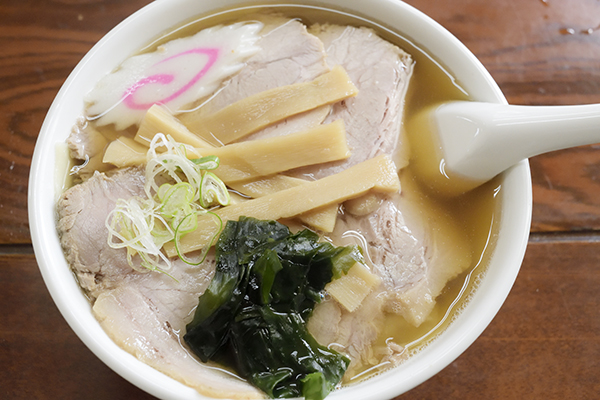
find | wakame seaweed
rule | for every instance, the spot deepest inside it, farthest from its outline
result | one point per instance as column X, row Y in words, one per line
column 253, row 314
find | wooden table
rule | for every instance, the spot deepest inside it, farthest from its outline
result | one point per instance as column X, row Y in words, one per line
column 544, row 343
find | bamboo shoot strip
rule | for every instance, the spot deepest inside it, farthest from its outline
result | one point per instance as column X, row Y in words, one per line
column 125, row 152
column 159, row 120
column 262, row 157
column 377, row 174
column 265, row 108
column 255, row 158
column 351, row 289
column 322, row 219
column 321, row 144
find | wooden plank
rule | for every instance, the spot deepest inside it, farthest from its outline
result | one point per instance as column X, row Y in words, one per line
column 527, row 47
column 544, row 343
column 40, row 43
column 566, row 190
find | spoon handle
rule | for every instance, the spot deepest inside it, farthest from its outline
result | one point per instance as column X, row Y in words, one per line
column 480, row 140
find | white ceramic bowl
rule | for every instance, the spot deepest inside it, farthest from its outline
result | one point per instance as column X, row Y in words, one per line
column 138, row 30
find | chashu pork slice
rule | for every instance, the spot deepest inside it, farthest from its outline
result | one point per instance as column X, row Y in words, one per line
column 289, row 55
column 146, row 316
column 82, row 211
column 381, row 71
column 145, row 313
column 401, row 234
column 406, row 246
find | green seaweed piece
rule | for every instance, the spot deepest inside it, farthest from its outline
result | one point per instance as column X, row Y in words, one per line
column 253, row 314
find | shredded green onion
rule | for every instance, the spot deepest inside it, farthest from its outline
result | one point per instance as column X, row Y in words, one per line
column 134, row 223
column 207, row 163
column 200, row 259
column 213, row 191
column 171, row 209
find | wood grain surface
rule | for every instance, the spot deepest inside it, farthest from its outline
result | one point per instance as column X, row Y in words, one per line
column 545, row 341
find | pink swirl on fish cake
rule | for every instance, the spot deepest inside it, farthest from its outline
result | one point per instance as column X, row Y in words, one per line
column 165, row 79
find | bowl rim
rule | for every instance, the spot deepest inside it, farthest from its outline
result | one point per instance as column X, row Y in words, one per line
column 427, row 33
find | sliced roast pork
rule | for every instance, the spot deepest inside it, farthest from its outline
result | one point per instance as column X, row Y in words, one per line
column 381, row 72
column 146, row 315
column 353, row 333
column 401, row 246
column 289, row 55
column 143, row 312
column 82, row 211
column 397, row 234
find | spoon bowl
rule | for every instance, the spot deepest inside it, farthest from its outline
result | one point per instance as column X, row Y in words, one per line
column 472, row 142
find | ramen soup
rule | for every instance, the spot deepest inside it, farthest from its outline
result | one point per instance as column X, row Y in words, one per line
column 243, row 214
